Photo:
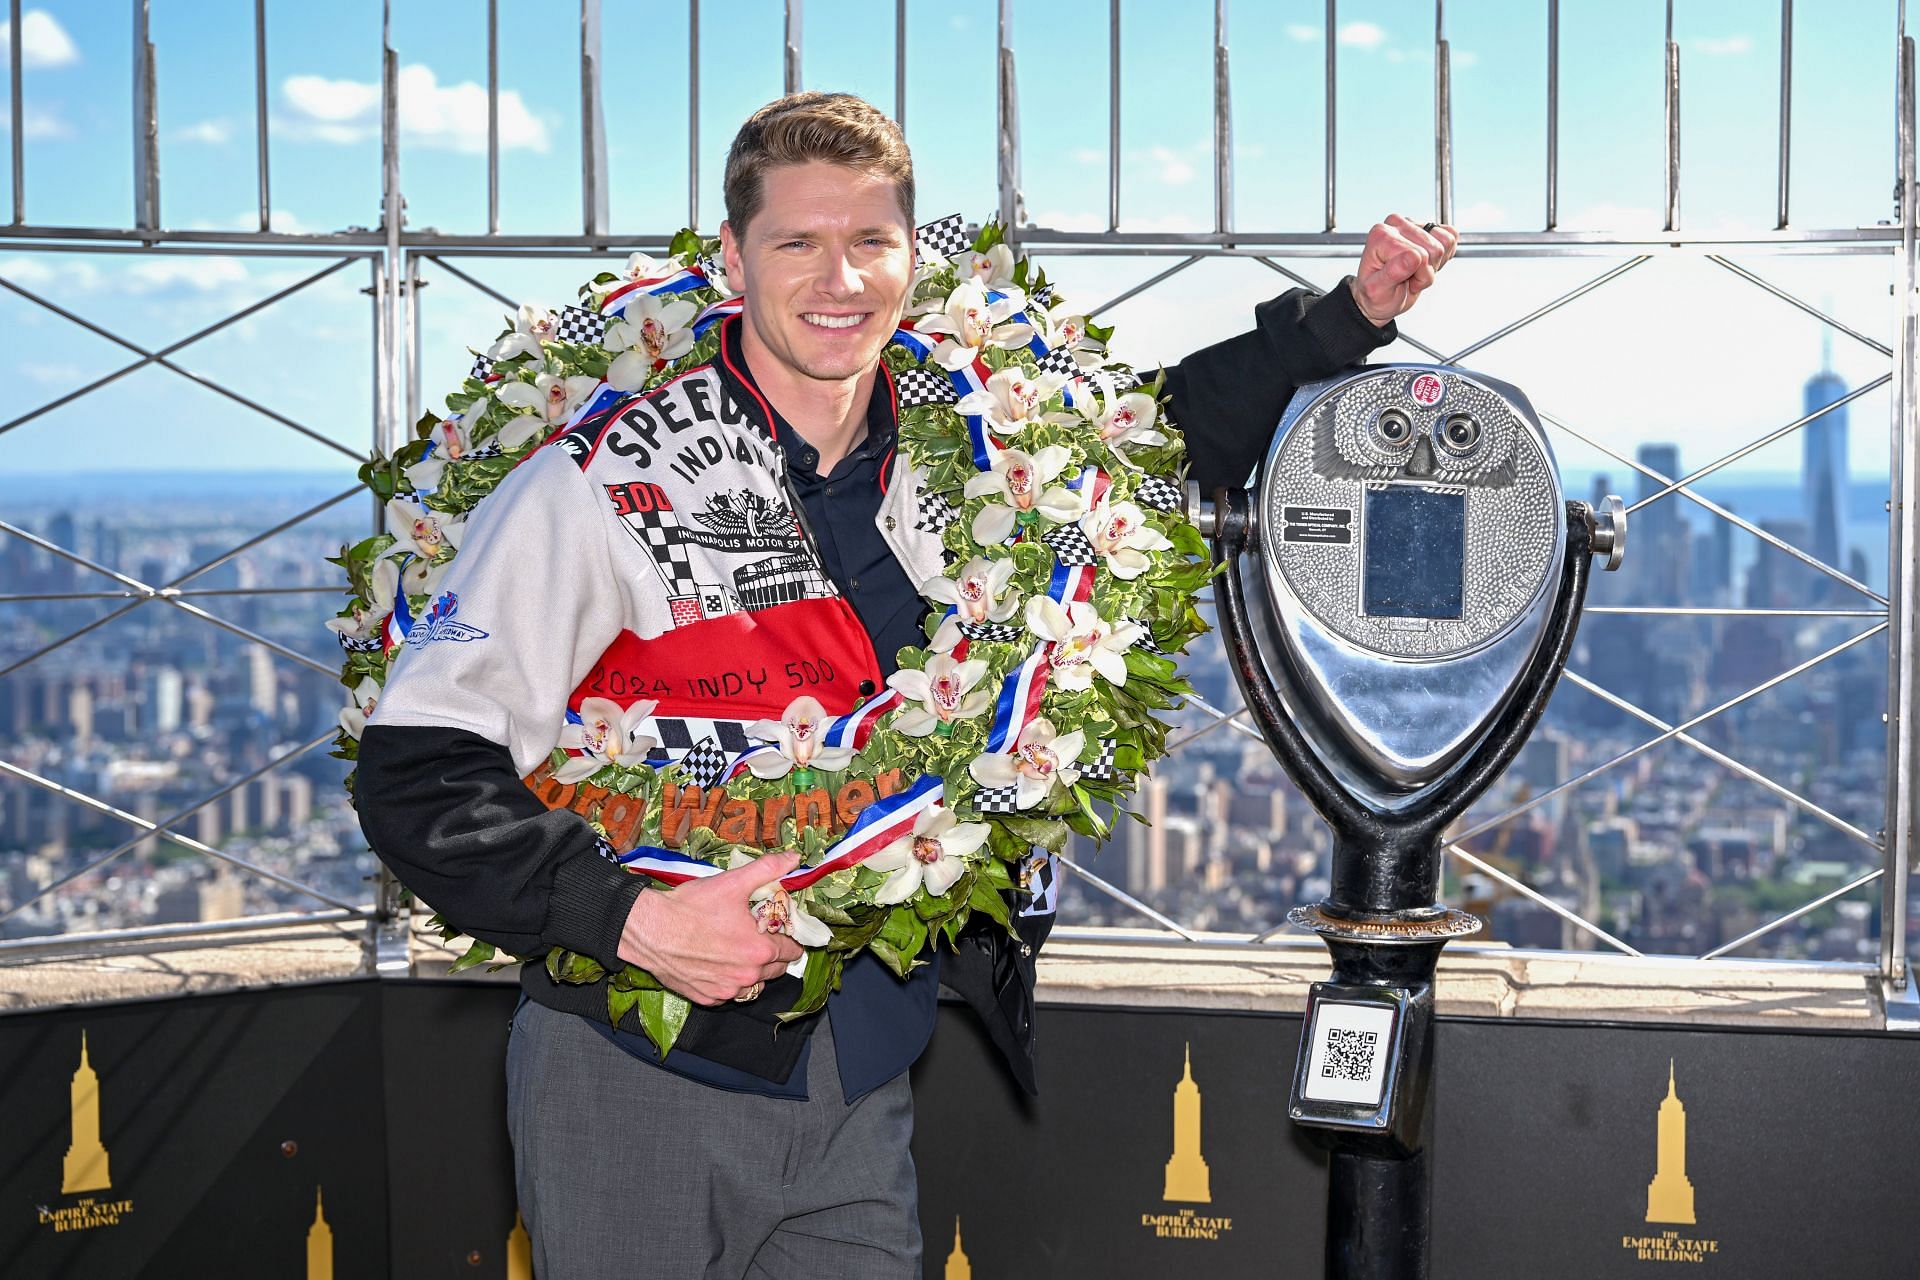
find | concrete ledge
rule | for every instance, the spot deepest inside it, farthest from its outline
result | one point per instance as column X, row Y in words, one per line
column 1094, row 967
column 1498, row 982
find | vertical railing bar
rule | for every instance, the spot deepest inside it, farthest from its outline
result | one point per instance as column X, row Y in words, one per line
column 790, row 71
column 1222, row 123
column 493, row 117
column 414, row 284
column 1442, row 116
column 1113, row 115
column 260, row 113
column 1553, row 114
column 593, row 124
column 1673, row 125
column 16, row 122
column 1333, row 18
column 900, row 63
column 1903, row 551
column 1786, row 109
column 391, row 287
column 693, row 113
column 146, row 121
column 1008, row 112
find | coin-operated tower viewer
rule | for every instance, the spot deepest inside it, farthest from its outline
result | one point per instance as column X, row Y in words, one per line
column 1402, row 586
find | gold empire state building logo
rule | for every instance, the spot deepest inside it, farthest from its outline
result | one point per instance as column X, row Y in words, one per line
column 319, row 1243
column 1187, row 1177
column 85, row 1168
column 958, row 1267
column 1670, row 1194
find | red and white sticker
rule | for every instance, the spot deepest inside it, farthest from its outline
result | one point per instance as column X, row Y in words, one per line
column 1426, row 389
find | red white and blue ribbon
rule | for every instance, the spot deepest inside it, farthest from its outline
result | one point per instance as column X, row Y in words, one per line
column 879, row 825
column 854, row 728
column 1070, row 582
column 680, row 281
column 400, row 621
column 716, row 312
column 1019, row 701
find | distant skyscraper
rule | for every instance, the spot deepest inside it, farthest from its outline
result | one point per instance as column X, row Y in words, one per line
column 1823, row 470
column 1660, row 531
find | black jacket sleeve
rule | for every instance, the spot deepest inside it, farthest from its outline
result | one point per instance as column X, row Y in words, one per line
column 445, row 809
column 1228, row 398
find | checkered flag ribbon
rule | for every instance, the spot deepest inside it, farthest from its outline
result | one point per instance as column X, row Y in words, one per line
column 481, row 367
column 1146, row 638
column 1059, row 360
column 944, row 238
column 1042, row 297
column 577, row 324
column 1070, row 545
column 705, row 764
column 924, row 386
column 1042, row 878
column 371, row 644
column 992, row 632
column 1101, row 768
column 1159, row 493
column 932, row 513
column 997, row 800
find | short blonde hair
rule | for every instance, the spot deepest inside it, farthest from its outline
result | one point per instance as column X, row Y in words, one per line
column 836, row 127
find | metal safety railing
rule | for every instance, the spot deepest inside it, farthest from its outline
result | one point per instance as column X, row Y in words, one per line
column 397, row 254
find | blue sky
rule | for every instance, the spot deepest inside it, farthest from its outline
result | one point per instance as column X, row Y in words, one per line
column 1678, row 349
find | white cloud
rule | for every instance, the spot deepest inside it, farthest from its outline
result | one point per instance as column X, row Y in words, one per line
column 39, row 125
column 40, row 273
column 1721, row 46
column 1362, row 35
column 1481, row 215
column 43, row 41
column 1171, row 169
column 1463, row 58
column 183, row 274
column 1303, row 33
column 451, row 117
column 213, row 133
column 1087, row 156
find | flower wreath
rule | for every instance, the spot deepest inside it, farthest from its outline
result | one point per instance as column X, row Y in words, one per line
column 1070, row 579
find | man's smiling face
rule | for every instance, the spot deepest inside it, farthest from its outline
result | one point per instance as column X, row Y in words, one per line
column 826, row 266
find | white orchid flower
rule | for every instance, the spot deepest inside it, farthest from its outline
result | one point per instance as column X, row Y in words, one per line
column 797, row 735
column 533, row 326
column 777, row 911
column 945, row 692
column 1124, row 420
column 519, row 430
column 1120, row 533
column 451, row 443
column 1081, row 643
column 422, row 577
column 1066, row 329
column 932, row 856
column 651, row 331
column 367, row 621
column 947, row 636
column 991, row 267
column 426, row 533
column 1012, row 398
column 976, row 592
column 353, row 716
column 1018, row 480
column 974, row 324
column 606, row 734
column 1041, row 757
column 553, row 398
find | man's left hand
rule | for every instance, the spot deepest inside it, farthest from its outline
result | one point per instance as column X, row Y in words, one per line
column 1398, row 264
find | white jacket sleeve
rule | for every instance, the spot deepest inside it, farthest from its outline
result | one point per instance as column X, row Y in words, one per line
column 526, row 608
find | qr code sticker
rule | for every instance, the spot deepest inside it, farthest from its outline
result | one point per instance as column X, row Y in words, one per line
column 1349, row 1054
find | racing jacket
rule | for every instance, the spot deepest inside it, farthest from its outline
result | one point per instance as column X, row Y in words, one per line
column 654, row 552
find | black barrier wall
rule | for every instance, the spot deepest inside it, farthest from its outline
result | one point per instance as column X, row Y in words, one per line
column 355, row 1130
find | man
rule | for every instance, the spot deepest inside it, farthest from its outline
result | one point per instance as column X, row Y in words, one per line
column 745, row 1152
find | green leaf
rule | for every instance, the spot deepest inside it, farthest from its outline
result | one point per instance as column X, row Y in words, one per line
column 478, row 953
column 662, row 1015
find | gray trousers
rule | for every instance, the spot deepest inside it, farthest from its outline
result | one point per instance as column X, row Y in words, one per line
column 626, row 1170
